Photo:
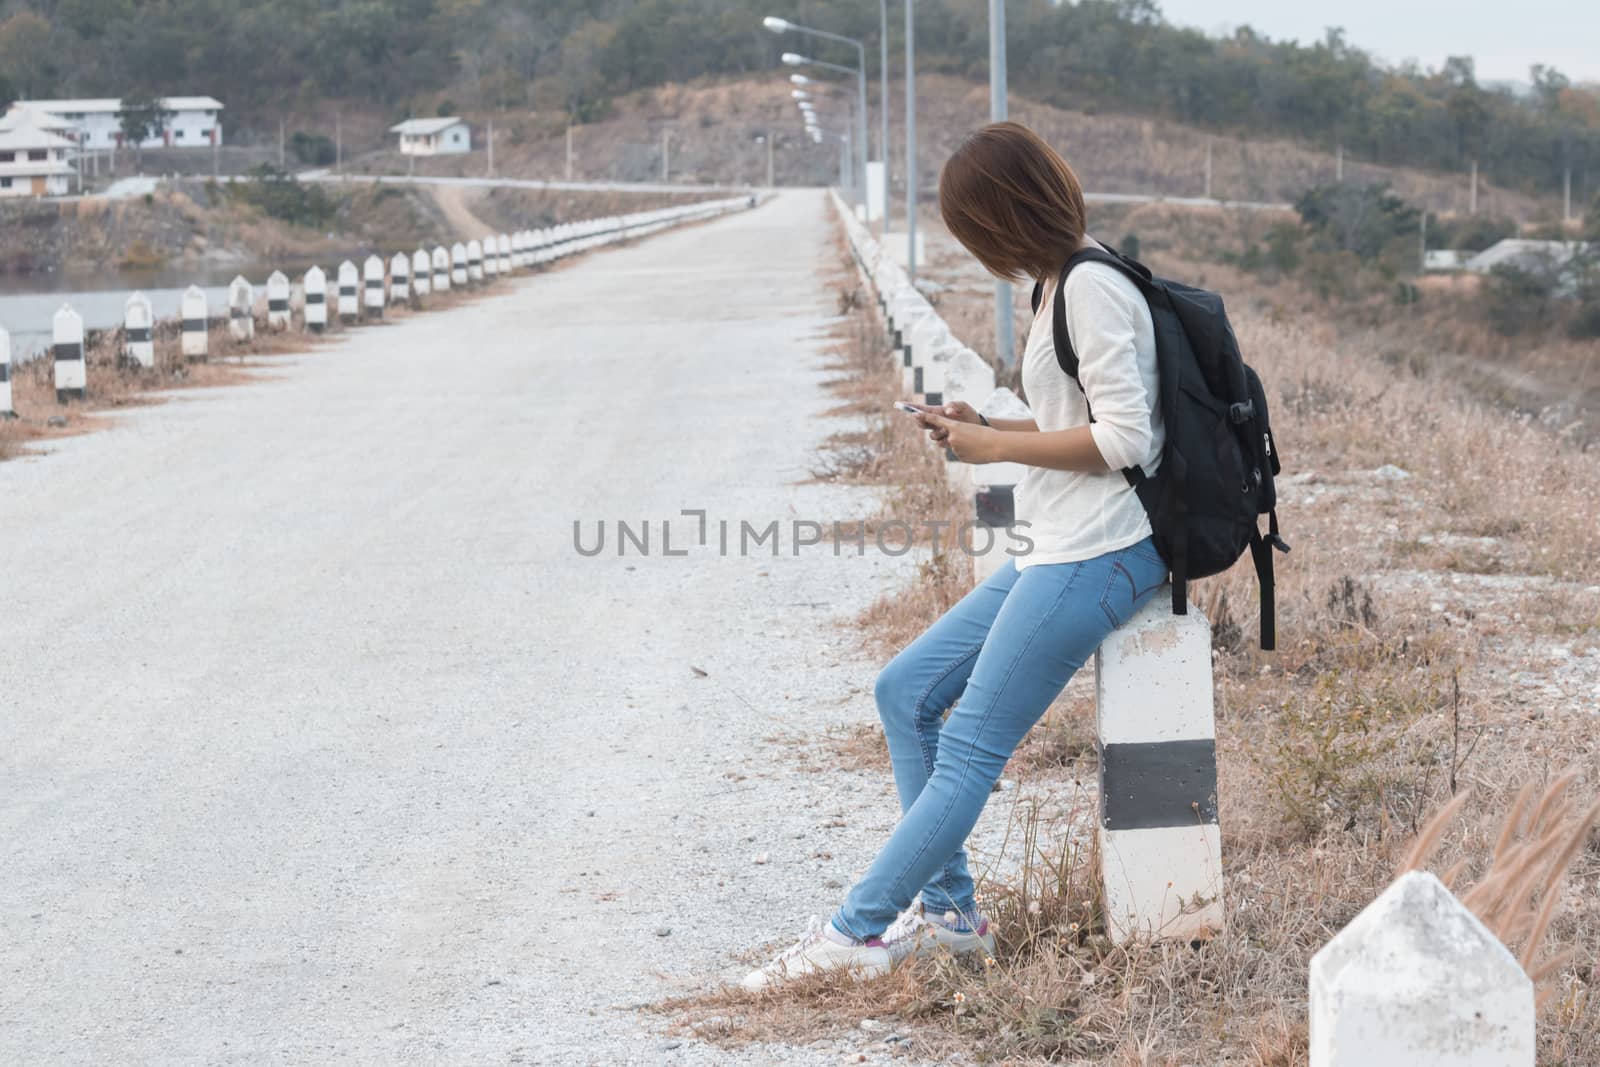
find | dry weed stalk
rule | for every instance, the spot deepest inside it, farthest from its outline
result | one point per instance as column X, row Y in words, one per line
column 1517, row 895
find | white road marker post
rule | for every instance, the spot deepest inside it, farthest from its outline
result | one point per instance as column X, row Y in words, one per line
column 349, row 282
column 316, row 287
column 400, row 279
column 138, row 331
column 277, row 301
column 196, row 321
column 1417, row 979
column 475, row 261
column 1160, row 840
column 241, row 313
column 421, row 276
column 66, row 349
column 503, row 247
column 441, row 269
column 491, row 261
column 458, row 265
column 7, row 411
column 372, row 289
column 519, row 250
column 994, row 503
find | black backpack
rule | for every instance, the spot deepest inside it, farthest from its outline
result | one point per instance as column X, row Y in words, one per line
column 1219, row 458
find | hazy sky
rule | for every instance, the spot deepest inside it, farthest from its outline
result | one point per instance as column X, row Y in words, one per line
column 1506, row 38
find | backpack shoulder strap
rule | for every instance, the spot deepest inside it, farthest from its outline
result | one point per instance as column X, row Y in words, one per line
column 1065, row 356
column 1135, row 272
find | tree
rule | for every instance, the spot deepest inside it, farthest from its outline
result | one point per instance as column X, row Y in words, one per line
column 142, row 118
column 25, row 52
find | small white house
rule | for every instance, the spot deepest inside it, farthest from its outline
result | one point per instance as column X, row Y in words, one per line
column 191, row 121
column 433, row 137
column 33, row 162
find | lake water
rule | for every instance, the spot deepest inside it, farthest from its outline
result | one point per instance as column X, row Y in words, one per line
column 28, row 303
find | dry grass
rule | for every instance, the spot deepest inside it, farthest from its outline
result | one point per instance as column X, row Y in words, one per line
column 1439, row 631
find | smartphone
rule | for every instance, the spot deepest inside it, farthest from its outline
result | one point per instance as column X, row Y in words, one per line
column 907, row 408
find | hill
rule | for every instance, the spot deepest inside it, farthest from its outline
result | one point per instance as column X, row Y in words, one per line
column 575, row 59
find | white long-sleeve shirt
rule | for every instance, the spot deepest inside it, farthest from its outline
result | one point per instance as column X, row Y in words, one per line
column 1078, row 515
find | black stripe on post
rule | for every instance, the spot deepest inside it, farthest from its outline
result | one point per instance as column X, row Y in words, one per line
column 236, row 313
column 316, row 298
column 996, row 506
column 138, row 333
column 933, row 398
column 278, row 305
column 1156, row 784
column 5, row 373
column 374, row 283
column 67, row 351
column 347, row 290
column 916, row 379
column 194, row 325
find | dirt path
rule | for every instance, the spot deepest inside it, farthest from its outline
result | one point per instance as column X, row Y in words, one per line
column 454, row 201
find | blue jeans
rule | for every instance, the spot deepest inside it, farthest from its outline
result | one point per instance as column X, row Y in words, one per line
column 1006, row 651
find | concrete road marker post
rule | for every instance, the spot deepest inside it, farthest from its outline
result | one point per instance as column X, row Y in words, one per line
column 421, row 276
column 503, row 247
column 277, row 301
column 316, row 287
column 7, row 411
column 138, row 331
column 441, row 269
column 372, row 287
column 1160, row 841
column 491, row 261
column 241, row 310
column 400, row 279
column 475, row 261
column 1416, row 979
column 196, row 321
column 459, row 276
column 349, row 283
column 66, row 349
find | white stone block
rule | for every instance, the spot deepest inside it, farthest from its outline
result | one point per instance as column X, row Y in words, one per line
column 1416, row 980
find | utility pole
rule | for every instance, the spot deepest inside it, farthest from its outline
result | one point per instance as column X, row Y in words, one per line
column 1566, row 196
column 338, row 143
column 1208, row 167
column 1472, row 196
column 490, row 139
column 1338, row 164
column 911, row 140
column 1422, row 263
column 770, row 136
column 666, row 167
column 1004, row 338
column 280, row 145
column 569, row 151
column 883, row 108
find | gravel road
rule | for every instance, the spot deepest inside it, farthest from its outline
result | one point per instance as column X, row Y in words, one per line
column 321, row 742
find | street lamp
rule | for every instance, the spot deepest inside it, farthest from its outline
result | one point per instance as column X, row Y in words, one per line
column 777, row 25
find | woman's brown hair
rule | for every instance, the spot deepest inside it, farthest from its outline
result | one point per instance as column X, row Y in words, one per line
column 1012, row 202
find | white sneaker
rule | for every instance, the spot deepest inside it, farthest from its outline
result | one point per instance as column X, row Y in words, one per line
column 815, row 952
column 912, row 932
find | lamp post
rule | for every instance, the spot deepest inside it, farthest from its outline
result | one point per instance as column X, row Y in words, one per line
column 911, row 139
column 1004, row 338
column 777, row 25
column 883, row 108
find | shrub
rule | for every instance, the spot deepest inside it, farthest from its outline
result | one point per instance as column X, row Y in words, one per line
column 280, row 196
column 313, row 148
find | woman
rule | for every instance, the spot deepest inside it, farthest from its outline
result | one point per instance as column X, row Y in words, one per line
column 1007, row 649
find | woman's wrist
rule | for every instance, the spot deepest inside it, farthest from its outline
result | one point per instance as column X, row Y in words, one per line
column 984, row 420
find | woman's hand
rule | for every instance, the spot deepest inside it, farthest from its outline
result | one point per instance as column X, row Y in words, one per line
column 955, row 411
column 971, row 442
